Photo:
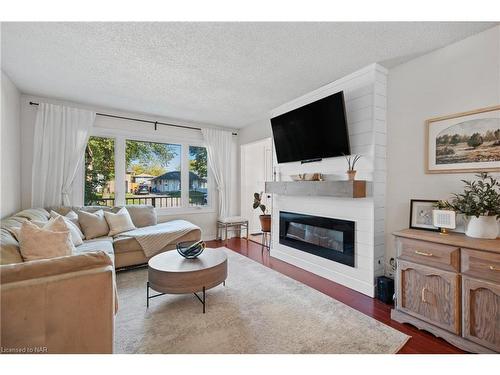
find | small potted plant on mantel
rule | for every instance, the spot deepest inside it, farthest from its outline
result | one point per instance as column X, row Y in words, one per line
column 480, row 203
column 351, row 163
column 265, row 219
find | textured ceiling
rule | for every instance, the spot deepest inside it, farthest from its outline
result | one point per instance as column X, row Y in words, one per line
column 227, row 74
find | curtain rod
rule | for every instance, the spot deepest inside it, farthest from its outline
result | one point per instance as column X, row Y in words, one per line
column 155, row 123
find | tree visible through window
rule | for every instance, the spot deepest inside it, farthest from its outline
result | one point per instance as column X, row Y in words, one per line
column 100, row 171
column 198, row 193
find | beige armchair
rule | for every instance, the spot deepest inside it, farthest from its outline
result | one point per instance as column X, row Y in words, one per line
column 59, row 305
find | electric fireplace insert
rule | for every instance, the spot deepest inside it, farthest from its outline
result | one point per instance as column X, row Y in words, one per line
column 321, row 236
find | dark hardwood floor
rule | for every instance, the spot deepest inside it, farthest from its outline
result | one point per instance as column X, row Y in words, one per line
column 421, row 342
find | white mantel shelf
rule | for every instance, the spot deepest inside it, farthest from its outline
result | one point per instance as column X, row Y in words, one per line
column 340, row 189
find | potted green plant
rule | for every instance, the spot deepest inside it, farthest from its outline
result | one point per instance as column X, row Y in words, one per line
column 265, row 219
column 480, row 203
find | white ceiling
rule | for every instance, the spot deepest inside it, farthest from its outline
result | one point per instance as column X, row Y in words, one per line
column 227, row 74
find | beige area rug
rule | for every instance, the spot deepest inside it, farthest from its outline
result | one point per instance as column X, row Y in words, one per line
column 258, row 311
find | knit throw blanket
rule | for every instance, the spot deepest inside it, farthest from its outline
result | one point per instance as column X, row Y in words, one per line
column 154, row 238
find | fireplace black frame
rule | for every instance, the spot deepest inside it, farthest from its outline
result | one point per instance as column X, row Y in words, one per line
column 345, row 226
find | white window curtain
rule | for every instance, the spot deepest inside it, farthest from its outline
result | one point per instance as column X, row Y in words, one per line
column 61, row 135
column 220, row 155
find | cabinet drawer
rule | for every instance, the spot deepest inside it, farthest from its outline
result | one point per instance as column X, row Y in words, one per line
column 481, row 312
column 429, row 294
column 481, row 265
column 431, row 254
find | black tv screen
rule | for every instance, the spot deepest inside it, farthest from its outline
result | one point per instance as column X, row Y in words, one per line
column 315, row 131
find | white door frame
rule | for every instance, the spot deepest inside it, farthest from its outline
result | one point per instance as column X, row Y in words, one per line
column 267, row 174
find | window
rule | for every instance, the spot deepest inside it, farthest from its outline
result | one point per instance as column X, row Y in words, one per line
column 100, row 172
column 165, row 175
column 198, row 192
column 153, row 174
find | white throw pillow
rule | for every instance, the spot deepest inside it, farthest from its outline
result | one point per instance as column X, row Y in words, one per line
column 71, row 215
column 71, row 218
column 119, row 222
column 93, row 224
column 41, row 243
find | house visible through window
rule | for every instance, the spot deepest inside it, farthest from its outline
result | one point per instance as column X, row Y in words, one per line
column 100, row 172
column 153, row 173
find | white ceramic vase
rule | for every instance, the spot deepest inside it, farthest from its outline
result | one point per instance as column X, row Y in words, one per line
column 482, row 227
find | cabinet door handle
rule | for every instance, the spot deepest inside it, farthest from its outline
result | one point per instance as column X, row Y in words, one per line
column 493, row 268
column 422, row 253
column 423, row 295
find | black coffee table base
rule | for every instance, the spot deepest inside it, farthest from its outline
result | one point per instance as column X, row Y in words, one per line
column 202, row 299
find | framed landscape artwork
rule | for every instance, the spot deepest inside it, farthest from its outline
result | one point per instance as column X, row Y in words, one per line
column 464, row 142
column 421, row 214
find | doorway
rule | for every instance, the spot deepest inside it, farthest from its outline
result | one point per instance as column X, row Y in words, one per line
column 256, row 169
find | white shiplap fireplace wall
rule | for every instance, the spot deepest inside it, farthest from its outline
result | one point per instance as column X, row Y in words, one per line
column 365, row 99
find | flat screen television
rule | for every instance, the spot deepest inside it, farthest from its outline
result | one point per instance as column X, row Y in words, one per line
column 312, row 132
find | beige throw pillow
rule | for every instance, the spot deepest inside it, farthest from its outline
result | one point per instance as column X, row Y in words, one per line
column 93, row 224
column 71, row 218
column 119, row 222
column 40, row 243
column 59, row 224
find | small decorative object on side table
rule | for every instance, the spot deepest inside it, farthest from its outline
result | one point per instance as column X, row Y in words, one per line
column 444, row 219
column 421, row 214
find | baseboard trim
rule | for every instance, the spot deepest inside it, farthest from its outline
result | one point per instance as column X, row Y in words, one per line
column 329, row 274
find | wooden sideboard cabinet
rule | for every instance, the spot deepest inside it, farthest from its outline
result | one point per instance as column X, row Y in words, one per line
column 449, row 285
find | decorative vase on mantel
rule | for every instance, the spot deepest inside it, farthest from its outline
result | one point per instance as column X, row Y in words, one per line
column 482, row 227
column 351, row 174
column 351, row 163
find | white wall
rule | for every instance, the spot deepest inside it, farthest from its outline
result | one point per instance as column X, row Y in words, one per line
column 460, row 77
column 10, row 135
column 206, row 219
column 255, row 131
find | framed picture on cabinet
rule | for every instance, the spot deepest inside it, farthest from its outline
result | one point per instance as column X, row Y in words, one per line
column 421, row 214
column 464, row 142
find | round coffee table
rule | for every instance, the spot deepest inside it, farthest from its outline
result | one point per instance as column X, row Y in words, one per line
column 170, row 273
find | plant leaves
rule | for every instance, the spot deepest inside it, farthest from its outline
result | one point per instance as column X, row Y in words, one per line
column 481, row 197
